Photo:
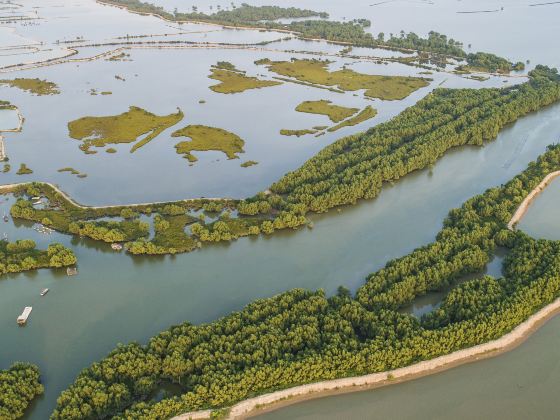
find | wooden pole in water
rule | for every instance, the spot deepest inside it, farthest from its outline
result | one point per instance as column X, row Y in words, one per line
column 2, row 149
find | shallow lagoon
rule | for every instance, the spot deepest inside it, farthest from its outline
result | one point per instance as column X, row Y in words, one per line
column 9, row 119
column 156, row 172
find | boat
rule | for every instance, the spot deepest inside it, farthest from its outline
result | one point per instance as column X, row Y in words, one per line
column 116, row 246
column 22, row 319
column 44, row 292
column 71, row 271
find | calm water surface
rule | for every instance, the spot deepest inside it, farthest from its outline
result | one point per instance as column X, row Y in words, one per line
column 542, row 219
column 116, row 298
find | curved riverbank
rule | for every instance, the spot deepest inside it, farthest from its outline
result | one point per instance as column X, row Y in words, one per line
column 524, row 206
column 275, row 400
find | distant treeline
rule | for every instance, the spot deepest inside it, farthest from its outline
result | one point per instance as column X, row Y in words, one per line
column 303, row 336
column 352, row 32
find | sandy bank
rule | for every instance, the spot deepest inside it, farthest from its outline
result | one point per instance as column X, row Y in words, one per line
column 278, row 399
column 522, row 209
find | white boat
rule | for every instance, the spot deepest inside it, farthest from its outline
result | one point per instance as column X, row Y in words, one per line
column 22, row 319
column 44, row 292
column 116, row 247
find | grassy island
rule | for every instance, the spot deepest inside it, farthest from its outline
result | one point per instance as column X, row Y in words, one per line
column 235, row 81
column 22, row 255
column 34, row 86
column 249, row 163
column 303, row 336
column 19, row 385
column 335, row 113
column 316, row 72
column 297, row 133
column 208, row 138
column 240, row 16
column 24, row 170
column 69, row 169
column 127, row 127
column 367, row 113
column 73, row 172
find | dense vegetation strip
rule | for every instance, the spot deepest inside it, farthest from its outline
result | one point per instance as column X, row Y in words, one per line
column 355, row 167
column 351, row 32
column 490, row 62
column 23, row 255
column 245, row 14
column 303, row 336
column 19, row 385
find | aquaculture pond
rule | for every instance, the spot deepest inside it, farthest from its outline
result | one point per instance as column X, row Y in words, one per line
column 9, row 119
column 118, row 298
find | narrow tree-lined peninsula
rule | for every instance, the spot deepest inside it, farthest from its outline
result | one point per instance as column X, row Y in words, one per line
column 434, row 47
column 303, row 336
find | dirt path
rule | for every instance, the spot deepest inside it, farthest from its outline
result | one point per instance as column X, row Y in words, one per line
column 524, row 206
column 8, row 187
